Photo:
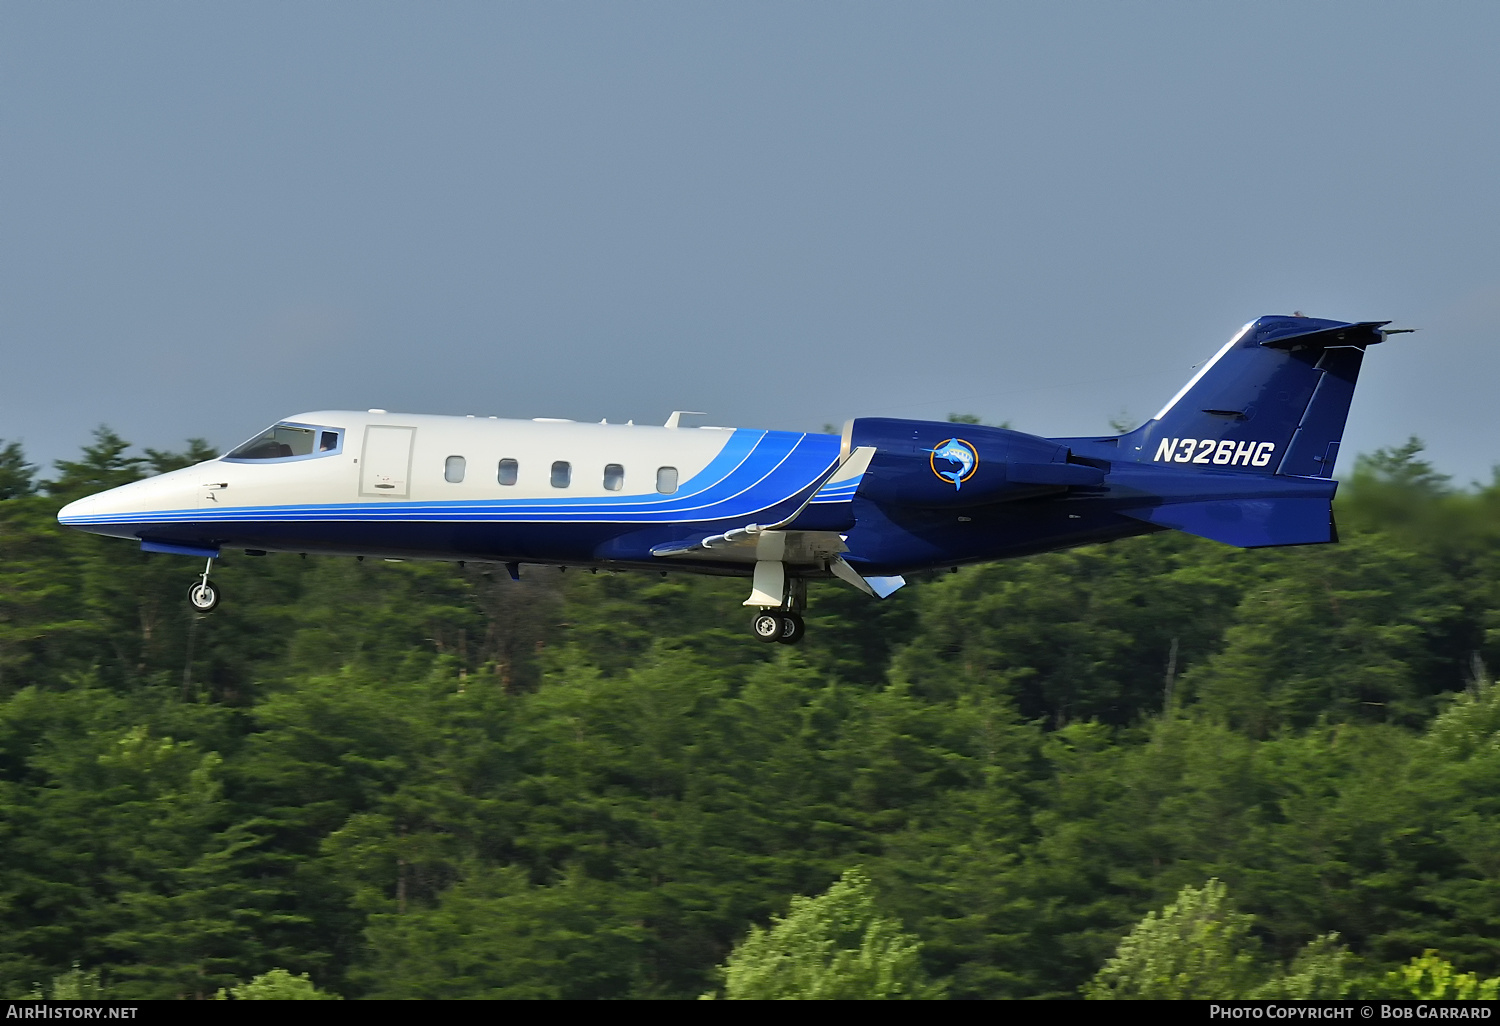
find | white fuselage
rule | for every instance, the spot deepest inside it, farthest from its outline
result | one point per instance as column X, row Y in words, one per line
column 482, row 443
column 472, row 488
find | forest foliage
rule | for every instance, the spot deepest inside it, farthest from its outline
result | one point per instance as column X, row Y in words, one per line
column 429, row 781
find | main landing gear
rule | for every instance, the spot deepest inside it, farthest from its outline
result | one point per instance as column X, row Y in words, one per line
column 202, row 595
column 778, row 625
column 781, row 601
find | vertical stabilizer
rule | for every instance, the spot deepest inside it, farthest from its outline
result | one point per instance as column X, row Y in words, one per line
column 1273, row 400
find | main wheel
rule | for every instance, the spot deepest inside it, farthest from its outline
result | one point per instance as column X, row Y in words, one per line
column 792, row 629
column 204, row 596
column 768, row 626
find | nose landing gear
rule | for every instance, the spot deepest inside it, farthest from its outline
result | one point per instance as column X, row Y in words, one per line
column 204, row 596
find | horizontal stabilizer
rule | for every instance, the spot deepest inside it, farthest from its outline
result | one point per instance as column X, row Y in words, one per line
column 1364, row 333
column 1246, row 523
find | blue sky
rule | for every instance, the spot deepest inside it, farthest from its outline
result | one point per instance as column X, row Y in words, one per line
column 216, row 215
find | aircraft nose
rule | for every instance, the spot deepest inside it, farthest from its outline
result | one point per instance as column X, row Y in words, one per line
column 78, row 508
column 129, row 502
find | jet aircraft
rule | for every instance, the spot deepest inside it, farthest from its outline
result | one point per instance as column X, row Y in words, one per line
column 1242, row 454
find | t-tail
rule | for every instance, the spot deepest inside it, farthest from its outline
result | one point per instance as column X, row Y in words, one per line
column 1271, row 403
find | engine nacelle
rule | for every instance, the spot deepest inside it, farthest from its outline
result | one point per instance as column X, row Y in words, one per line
column 935, row 464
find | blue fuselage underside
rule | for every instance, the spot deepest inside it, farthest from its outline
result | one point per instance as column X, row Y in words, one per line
column 887, row 540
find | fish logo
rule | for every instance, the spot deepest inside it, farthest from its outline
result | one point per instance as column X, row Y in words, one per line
column 963, row 456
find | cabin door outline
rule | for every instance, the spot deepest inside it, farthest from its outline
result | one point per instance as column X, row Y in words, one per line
column 385, row 461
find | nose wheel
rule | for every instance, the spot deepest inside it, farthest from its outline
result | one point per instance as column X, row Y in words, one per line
column 203, row 596
column 774, row 625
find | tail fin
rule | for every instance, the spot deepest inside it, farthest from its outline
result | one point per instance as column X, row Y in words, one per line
column 1272, row 401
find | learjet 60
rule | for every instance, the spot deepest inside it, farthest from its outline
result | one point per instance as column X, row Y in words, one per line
column 1242, row 454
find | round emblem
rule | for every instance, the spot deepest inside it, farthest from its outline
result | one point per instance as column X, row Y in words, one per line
column 954, row 460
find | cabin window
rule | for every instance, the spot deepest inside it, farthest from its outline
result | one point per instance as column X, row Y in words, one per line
column 666, row 480
column 453, row 469
column 278, row 443
column 614, row 477
column 507, row 475
column 562, row 474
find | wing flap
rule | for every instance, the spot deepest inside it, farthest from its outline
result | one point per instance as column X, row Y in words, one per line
column 877, row 587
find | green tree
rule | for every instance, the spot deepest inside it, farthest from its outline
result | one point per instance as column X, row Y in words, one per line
column 1430, row 977
column 104, row 465
column 277, row 985
column 43, row 625
column 17, row 477
column 496, row 935
column 1322, row 971
column 1197, row 948
column 835, row 946
column 163, row 460
column 119, row 848
column 1340, row 632
column 1452, row 817
column 1099, row 632
column 77, row 984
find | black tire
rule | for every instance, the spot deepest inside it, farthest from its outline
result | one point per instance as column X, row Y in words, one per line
column 204, row 597
column 767, row 626
column 792, row 629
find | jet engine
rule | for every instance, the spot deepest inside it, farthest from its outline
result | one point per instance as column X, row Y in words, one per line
column 925, row 463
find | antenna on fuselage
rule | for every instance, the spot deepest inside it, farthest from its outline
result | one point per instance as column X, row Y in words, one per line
column 675, row 420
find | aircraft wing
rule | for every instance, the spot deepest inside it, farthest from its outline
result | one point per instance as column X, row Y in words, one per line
column 782, row 542
column 753, row 543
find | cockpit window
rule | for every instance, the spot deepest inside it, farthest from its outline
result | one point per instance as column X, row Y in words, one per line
column 289, row 441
